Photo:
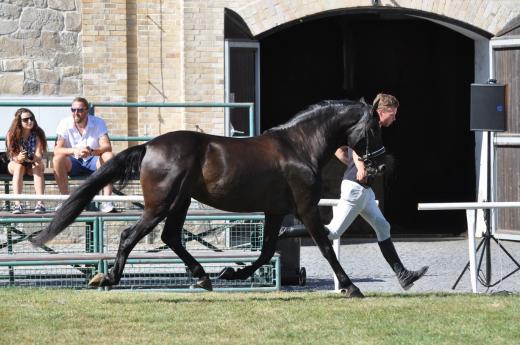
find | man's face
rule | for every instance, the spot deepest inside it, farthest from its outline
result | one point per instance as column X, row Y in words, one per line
column 387, row 115
column 79, row 112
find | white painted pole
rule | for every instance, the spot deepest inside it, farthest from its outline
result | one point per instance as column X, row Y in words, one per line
column 471, row 216
column 336, row 245
column 466, row 205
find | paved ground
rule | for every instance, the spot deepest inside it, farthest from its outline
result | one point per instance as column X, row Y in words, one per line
column 446, row 258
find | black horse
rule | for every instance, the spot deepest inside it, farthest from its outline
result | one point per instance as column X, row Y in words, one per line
column 276, row 173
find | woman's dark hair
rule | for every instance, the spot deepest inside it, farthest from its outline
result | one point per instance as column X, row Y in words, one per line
column 14, row 135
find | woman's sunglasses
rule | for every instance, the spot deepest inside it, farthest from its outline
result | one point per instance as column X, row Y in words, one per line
column 27, row 119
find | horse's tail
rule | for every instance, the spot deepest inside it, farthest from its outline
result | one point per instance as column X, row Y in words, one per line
column 121, row 168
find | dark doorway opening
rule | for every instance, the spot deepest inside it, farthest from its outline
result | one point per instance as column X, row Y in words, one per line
column 428, row 67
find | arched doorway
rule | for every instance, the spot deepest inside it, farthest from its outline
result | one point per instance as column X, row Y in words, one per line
column 427, row 66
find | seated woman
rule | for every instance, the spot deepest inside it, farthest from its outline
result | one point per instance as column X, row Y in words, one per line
column 26, row 143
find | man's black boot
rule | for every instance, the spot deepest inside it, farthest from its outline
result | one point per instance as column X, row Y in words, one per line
column 405, row 277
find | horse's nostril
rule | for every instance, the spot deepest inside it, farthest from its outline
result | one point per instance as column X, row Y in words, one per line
column 382, row 168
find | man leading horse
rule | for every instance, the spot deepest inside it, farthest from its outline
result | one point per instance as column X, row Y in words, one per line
column 357, row 198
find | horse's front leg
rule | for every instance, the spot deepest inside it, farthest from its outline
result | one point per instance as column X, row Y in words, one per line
column 312, row 221
column 129, row 238
column 271, row 229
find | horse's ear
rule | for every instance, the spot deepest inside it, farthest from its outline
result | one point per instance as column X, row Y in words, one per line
column 362, row 100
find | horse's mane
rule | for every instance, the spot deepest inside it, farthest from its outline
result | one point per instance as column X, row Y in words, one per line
column 312, row 112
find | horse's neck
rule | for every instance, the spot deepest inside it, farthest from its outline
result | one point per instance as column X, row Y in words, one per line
column 319, row 138
column 333, row 130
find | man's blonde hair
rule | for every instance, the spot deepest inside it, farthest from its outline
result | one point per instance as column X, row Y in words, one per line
column 384, row 100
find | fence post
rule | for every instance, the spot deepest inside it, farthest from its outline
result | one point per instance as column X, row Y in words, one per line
column 471, row 216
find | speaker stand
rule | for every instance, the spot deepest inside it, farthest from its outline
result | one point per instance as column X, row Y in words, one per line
column 485, row 246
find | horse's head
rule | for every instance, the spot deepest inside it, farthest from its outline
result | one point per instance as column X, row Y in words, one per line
column 366, row 140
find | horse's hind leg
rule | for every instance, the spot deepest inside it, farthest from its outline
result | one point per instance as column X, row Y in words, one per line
column 271, row 229
column 171, row 236
column 129, row 238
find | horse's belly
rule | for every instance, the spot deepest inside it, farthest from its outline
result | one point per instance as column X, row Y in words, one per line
column 246, row 200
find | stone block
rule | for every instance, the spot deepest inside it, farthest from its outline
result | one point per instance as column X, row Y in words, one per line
column 11, row 83
column 70, row 71
column 68, row 39
column 25, row 34
column 62, row 5
column 13, row 65
column 10, row 11
column 34, row 44
column 31, row 87
column 50, row 40
column 47, row 76
column 29, row 70
column 41, row 19
column 11, row 48
column 22, row 3
column 40, row 3
column 70, row 86
column 42, row 64
column 68, row 59
column 8, row 26
column 48, row 89
column 73, row 22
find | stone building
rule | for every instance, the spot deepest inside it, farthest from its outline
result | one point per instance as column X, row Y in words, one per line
column 282, row 55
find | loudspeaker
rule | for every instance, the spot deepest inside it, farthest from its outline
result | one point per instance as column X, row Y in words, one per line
column 488, row 112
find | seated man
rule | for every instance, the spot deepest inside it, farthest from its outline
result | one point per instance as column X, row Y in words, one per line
column 82, row 146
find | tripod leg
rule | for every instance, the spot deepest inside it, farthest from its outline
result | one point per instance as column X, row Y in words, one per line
column 488, row 260
column 486, row 244
column 510, row 257
column 460, row 276
column 467, row 267
column 505, row 251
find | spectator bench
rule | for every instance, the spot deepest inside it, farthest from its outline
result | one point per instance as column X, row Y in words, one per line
column 156, row 268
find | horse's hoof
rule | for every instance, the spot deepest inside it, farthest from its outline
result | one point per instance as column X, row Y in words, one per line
column 97, row 280
column 205, row 283
column 352, row 292
column 227, row 273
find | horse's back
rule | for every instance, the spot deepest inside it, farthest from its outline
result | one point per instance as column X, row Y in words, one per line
column 231, row 174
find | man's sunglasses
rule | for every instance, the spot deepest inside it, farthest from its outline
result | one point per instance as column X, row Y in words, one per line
column 27, row 119
column 77, row 110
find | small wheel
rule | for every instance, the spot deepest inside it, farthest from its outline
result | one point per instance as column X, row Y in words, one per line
column 302, row 279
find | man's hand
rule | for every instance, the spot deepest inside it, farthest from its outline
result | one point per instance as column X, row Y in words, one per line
column 362, row 175
column 83, row 152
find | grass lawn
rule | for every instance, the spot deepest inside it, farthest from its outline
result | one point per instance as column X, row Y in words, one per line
column 38, row 316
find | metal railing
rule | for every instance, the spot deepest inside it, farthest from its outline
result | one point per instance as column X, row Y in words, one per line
column 93, row 105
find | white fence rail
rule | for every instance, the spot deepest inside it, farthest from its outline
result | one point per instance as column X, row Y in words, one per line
column 102, row 198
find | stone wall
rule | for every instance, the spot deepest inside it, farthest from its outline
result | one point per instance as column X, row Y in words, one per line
column 40, row 50
column 161, row 50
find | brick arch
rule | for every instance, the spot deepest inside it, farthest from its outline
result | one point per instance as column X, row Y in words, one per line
column 489, row 16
